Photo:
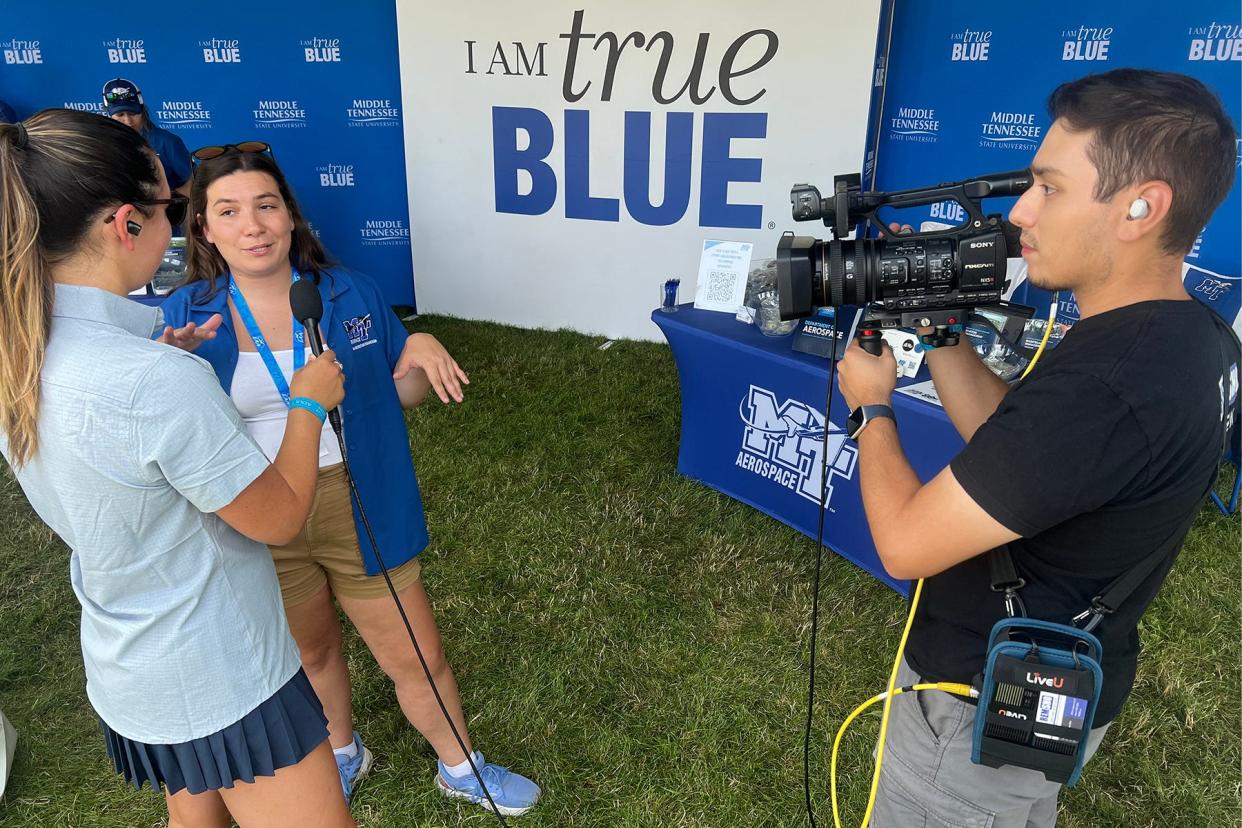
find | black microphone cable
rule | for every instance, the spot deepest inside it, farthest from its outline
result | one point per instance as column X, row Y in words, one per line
column 357, row 499
column 819, row 562
column 301, row 300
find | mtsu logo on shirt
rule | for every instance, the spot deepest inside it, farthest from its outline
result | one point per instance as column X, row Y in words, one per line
column 358, row 330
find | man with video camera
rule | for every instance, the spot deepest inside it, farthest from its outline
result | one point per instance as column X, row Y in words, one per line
column 1089, row 468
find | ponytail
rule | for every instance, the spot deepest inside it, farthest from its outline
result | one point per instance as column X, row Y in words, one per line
column 25, row 300
column 59, row 170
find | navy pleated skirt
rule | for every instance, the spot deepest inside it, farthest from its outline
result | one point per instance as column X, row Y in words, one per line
column 279, row 733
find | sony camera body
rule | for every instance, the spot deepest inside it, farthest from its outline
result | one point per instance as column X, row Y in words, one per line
column 933, row 279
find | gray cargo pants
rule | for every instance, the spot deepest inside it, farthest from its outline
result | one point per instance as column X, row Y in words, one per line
column 928, row 780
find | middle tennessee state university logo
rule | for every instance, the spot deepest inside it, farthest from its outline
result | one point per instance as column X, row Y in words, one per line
column 784, row 443
column 1213, row 288
column 358, row 330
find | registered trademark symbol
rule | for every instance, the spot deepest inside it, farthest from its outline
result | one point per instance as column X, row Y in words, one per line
column 771, row 225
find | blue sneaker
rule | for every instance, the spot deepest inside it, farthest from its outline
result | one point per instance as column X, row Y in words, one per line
column 353, row 769
column 513, row 793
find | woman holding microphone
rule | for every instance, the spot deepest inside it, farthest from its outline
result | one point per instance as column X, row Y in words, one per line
column 246, row 241
column 189, row 662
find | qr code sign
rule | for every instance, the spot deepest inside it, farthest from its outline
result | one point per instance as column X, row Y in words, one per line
column 718, row 286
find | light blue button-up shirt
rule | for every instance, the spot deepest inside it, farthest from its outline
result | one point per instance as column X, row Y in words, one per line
column 183, row 632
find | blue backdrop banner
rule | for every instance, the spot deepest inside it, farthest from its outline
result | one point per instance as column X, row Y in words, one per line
column 967, row 85
column 316, row 79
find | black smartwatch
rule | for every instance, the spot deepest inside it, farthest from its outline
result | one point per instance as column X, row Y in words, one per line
column 862, row 416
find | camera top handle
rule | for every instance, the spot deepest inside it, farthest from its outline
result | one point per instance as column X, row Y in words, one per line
column 849, row 206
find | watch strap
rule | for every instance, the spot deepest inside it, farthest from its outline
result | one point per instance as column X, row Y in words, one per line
column 864, row 414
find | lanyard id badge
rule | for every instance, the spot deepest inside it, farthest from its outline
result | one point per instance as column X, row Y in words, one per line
column 260, row 343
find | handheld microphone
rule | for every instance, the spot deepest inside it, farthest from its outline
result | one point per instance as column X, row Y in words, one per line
column 307, row 308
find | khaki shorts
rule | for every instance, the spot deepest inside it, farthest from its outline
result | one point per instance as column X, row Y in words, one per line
column 326, row 550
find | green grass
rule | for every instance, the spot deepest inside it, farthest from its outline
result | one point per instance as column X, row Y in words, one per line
column 632, row 639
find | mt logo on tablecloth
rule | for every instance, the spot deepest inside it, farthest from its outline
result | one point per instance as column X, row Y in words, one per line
column 784, row 442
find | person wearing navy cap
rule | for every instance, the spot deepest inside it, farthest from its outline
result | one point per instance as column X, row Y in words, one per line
column 123, row 102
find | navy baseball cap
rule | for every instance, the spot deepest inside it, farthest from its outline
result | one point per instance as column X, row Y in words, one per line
column 120, row 95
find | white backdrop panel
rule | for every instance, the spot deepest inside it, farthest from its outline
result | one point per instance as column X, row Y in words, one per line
column 518, row 157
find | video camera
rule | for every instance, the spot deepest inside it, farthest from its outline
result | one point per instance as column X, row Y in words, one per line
column 934, row 279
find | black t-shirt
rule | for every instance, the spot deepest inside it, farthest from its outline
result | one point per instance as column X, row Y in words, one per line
column 1097, row 459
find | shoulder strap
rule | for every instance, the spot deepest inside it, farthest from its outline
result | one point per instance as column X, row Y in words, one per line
column 1005, row 577
column 1119, row 590
column 1116, row 593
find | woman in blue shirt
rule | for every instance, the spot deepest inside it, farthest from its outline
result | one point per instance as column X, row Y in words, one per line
column 246, row 241
column 189, row 662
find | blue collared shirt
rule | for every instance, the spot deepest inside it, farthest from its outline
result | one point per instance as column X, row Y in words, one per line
column 368, row 338
column 183, row 632
column 173, row 154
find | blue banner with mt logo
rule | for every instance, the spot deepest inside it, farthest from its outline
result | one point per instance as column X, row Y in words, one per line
column 967, row 85
column 316, row 79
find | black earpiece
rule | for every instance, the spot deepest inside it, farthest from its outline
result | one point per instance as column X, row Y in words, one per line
column 133, row 227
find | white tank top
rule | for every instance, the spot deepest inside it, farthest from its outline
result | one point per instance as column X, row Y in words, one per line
column 263, row 410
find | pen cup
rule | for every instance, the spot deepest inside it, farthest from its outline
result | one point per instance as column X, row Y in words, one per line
column 668, row 295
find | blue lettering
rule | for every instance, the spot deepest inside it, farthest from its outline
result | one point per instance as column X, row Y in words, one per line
column 719, row 168
column 579, row 203
column 678, row 149
column 507, row 159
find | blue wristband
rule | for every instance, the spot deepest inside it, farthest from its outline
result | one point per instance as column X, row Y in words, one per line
column 310, row 405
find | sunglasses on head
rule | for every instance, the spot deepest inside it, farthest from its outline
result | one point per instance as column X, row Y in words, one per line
column 209, row 153
column 119, row 96
column 175, row 207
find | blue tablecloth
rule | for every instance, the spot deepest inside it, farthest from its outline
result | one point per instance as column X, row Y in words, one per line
column 752, row 427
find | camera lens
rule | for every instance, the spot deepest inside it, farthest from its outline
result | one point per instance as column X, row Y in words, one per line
column 811, row 273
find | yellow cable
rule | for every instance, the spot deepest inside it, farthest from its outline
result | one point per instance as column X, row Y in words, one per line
column 887, row 696
column 888, row 701
column 946, row 686
column 893, row 690
column 1052, row 320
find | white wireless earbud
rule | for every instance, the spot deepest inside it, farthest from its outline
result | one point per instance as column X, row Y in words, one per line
column 1138, row 209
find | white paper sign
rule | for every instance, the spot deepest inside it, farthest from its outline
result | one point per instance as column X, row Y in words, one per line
column 723, row 268
column 925, row 391
column 906, row 350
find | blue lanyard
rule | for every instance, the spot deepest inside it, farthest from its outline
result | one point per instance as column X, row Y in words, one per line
column 260, row 344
